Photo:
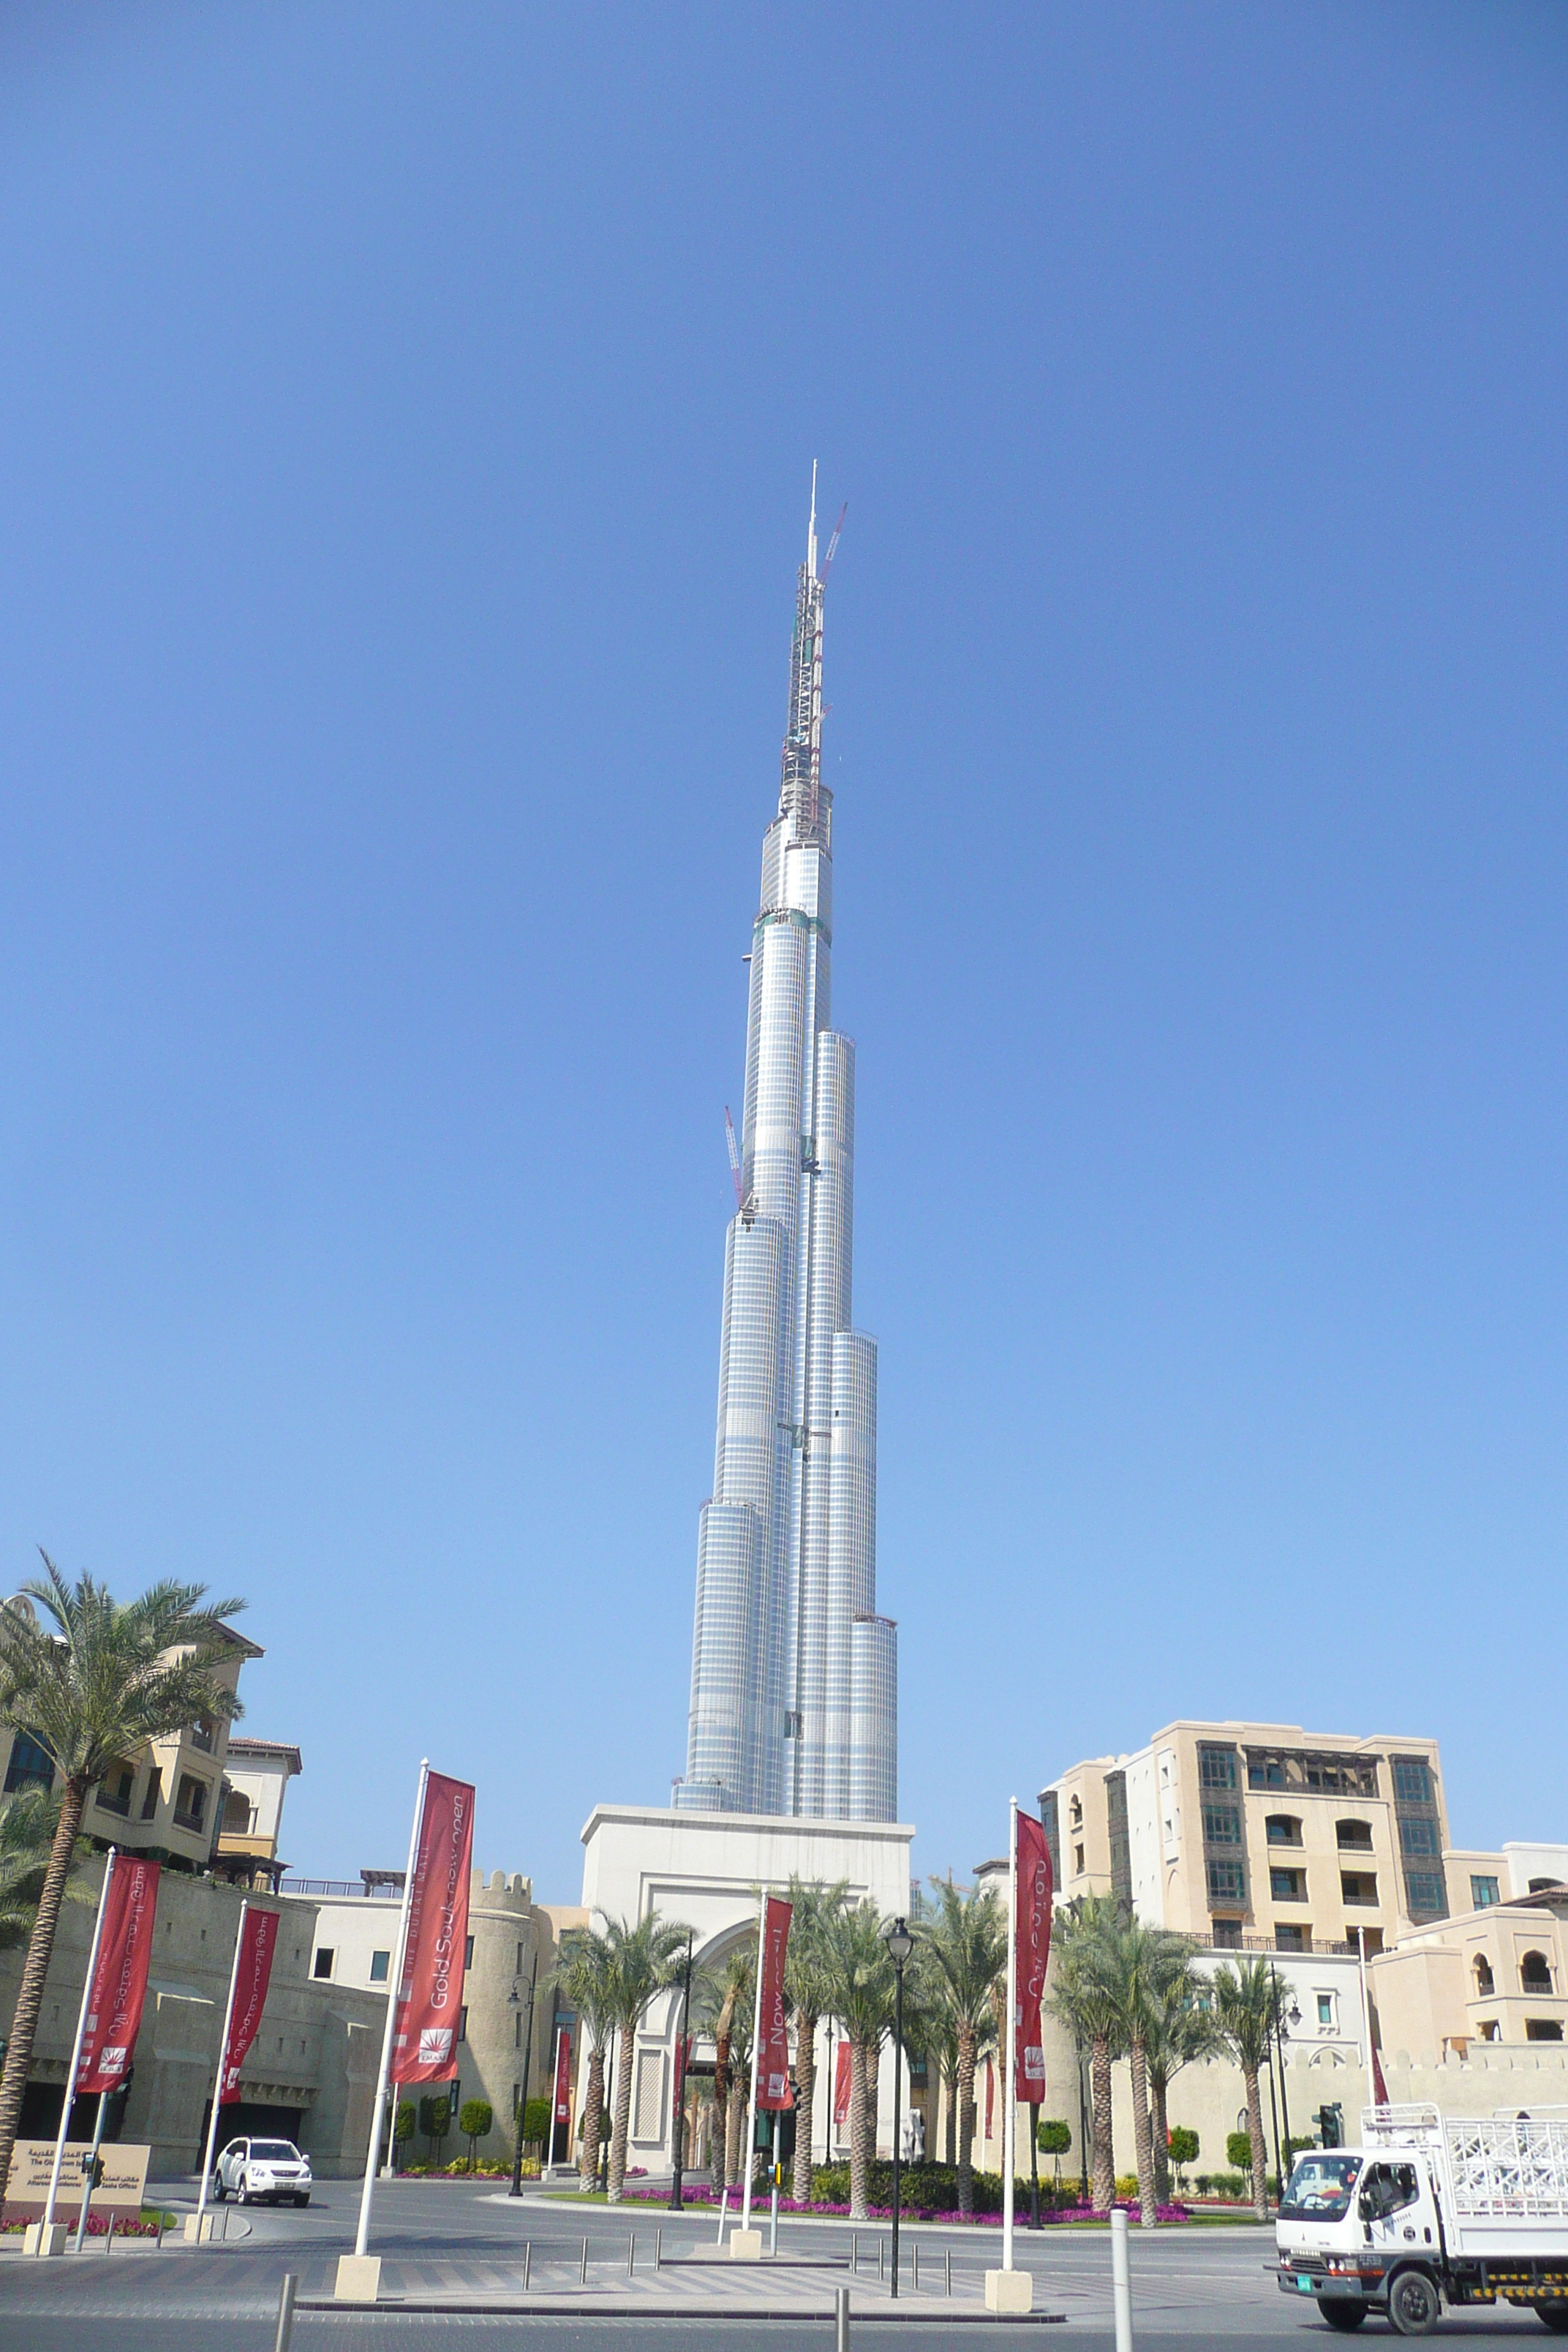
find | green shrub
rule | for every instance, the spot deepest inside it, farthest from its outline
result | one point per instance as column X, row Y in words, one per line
column 1238, row 2151
column 930, row 2188
column 1184, row 2146
column 1053, row 2138
column 535, row 2122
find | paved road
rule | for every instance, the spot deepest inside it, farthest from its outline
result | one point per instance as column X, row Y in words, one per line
column 1190, row 2286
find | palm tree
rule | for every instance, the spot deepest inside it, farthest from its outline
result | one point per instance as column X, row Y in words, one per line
column 584, row 1974
column 725, row 1999
column 642, row 1961
column 1083, row 1995
column 1244, row 2001
column 1141, row 1963
column 1180, row 2030
column 91, row 1686
column 862, row 1988
column 27, row 1826
column 963, row 1956
column 808, row 1990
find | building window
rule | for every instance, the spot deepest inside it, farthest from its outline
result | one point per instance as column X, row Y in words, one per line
column 1266, row 1772
column 114, row 1791
column 1417, row 1834
column 1075, row 1813
column 1226, row 1882
column 1216, row 1768
column 463, row 2022
column 1426, row 1893
column 1359, row 1885
column 31, row 1765
column 469, row 1954
column 517, row 2031
column 203, row 1733
column 1485, row 1982
column 1282, row 1828
column 1226, row 1936
column 1355, row 1837
column 150, row 1802
column 1292, row 1938
column 1326, row 2010
column 190, row 1802
column 1535, row 1972
column 1288, row 1885
column 1483, row 1893
column 1540, row 1885
column 1489, row 2029
column 1412, row 1781
column 1077, row 1860
column 235, row 1814
column 1543, row 2029
column 324, row 1966
column 1222, row 1824
column 380, row 1966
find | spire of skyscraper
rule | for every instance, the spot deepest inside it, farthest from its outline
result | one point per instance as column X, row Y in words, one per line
column 794, row 1675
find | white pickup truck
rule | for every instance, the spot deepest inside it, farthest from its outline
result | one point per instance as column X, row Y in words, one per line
column 1429, row 2210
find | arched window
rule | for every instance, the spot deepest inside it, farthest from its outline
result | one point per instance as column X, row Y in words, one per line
column 1535, row 1972
column 1355, row 1837
column 1282, row 1828
column 1484, row 1983
column 1075, row 1813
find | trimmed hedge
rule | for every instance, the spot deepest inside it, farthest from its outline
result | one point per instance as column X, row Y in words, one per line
column 931, row 2188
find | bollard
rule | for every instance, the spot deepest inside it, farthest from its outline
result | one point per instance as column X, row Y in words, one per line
column 658, row 2248
column 527, row 2261
column 854, row 2250
column 917, row 2249
column 631, row 2252
column 281, row 2341
column 583, row 2279
column 159, row 2247
column 949, row 2270
column 108, row 2234
column 1120, row 2281
column 881, row 2260
column 841, row 2319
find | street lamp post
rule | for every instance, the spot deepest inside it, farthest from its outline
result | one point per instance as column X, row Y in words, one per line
column 675, row 2203
column 1280, row 2037
column 900, row 1944
column 516, row 2188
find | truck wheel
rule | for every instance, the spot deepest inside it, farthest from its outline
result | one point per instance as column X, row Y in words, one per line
column 1341, row 2315
column 1412, row 2305
column 1553, row 2316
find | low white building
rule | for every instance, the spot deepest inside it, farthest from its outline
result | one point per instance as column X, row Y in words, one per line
column 706, row 1870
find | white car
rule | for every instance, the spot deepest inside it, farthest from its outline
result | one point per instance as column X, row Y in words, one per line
column 262, row 2171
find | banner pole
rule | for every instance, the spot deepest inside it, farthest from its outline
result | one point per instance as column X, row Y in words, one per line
column 393, row 1994
column 1010, row 2121
column 69, row 2100
column 756, row 2047
column 217, row 2081
column 555, row 2101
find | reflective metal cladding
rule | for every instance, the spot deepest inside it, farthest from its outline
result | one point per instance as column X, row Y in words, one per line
column 794, row 1675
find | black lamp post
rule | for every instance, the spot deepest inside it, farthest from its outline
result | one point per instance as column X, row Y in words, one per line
column 1280, row 2037
column 514, row 1996
column 900, row 1944
column 675, row 2204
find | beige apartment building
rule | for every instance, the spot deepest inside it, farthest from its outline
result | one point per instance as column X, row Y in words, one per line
column 1259, row 1835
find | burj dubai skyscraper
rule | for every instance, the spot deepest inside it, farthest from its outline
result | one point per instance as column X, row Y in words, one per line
column 794, row 1675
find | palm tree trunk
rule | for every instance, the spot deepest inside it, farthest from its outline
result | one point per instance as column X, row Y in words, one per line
column 1161, row 2126
column 719, row 2144
column 966, row 2121
column 859, row 2132
column 35, row 1968
column 805, row 2099
column 623, row 2117
column 1259, row 2154
column 1099, row 2099
column 950, row 2085
column 1143, row 2140
column 592, row 2117
column 734, row 2132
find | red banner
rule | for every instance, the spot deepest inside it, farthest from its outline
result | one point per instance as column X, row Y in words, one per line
column 1032, row 1908
column 564, row 2079
column 773, row 2040
column 120, row 1979
column 430, row 1997
column 841, row 2081
column 257, row 1941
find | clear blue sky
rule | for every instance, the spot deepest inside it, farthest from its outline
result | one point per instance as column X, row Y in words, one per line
column 406, row 422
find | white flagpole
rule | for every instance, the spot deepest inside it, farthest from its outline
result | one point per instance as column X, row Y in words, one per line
column 75, row 2053
column 554, row 2096
column 1365, row 2020
column 217, row 2084
column 1010, row 2123
column 756, row 2040
column 394, row 1995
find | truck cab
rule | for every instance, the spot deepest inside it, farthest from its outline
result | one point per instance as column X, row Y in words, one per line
column 1360, row 2230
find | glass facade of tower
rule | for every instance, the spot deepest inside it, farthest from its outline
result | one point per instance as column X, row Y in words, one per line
column 794, row 1675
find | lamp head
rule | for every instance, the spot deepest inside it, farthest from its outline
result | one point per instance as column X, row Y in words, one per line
column 899, row 1940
